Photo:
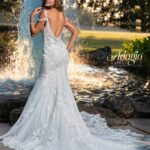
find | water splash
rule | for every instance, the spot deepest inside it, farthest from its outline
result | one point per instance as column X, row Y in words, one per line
column 26, row 59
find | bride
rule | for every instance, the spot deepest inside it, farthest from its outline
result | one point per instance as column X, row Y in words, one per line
column 50, row 119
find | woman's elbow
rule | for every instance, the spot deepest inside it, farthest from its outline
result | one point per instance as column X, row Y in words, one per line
column 77, row 32
column 35, row 33
column 32, row 34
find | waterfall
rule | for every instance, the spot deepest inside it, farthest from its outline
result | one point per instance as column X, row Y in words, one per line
column 26, row 59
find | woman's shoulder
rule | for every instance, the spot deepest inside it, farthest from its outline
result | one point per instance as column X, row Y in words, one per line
column 42, row 14
column 55, row 12
column 63, row 15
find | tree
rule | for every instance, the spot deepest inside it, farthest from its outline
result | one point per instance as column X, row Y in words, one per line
column 132, row 15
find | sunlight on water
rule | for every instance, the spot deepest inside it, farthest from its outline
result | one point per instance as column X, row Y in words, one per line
column 85, row 76
column 85, row 79
column 26, row 59
column 20, row 62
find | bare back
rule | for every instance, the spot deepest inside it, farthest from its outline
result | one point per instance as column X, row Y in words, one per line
column 56, row 21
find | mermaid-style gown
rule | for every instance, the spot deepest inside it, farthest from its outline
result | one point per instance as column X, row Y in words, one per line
column 51, row 120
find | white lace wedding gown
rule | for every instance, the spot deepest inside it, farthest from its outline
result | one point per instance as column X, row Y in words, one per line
column 51, row 120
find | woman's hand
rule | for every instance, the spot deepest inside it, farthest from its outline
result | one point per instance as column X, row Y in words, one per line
column 36, row 11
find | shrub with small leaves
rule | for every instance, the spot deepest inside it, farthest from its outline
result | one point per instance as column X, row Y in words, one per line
column 139, row 46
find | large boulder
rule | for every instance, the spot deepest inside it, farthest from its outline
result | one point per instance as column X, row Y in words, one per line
column 14, row 115
column 88, row 107
column 142, row 107
column 100, row 56
column 8, row 103
column 112, row 119
column 121, row 105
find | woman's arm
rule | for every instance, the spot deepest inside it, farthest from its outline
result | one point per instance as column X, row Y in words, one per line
column 36, row 28
column 74, row 33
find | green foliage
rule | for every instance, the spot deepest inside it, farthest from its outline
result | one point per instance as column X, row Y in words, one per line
column 139, row 46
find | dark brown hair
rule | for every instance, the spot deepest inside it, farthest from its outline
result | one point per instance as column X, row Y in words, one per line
column 58, row 5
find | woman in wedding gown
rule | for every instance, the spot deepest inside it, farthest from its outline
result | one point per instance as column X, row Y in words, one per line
column 50, row 119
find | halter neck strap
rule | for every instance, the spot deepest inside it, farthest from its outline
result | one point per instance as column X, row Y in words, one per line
column 49, row 27
column 45, row 13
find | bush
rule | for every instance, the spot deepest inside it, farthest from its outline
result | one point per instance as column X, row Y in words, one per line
column 139, row 46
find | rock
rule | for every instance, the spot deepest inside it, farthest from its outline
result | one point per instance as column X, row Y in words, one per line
column 131, row 94
column 107, row 113
column 121, row 105
column 88, row 107
column 138, row 93
column 116, row 122
column 141, row 124
column 127, row 109
column 97, row 91
column 100, row 56
column 112, row 91
column 84, row 92
column 10, row 102
column 142, row 107
column 105, row 95
column 147, row 85
column 14, row 115
column 102, row 101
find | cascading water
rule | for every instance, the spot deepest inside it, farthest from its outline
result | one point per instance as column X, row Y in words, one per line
column 26, row 59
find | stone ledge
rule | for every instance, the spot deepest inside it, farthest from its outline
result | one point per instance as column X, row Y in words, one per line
column 8, row 103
